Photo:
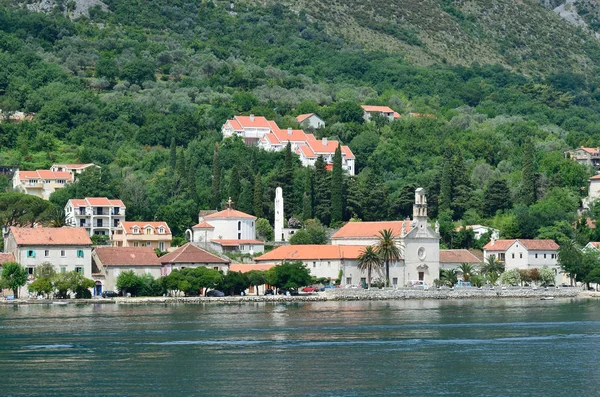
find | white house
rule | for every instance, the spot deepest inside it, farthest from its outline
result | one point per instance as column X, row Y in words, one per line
column 593, row 191
column 189, row 255
column 250, row 128
column 588, row 156
column 73, row 169
column 98, row 215
column 109, row 262
column 40, row 183
column 524, row 254
column 322, row 260
column 226, row 231
column 385, row 111
column 314, row 148
column 479, row 230
column 310, row 120
column 67, row 249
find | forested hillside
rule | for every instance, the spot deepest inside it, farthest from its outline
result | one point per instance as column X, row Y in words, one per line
column 143, row 88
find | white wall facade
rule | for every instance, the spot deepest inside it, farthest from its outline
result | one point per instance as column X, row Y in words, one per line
column 103, row 224
column 233, row 229
column 313, row 121
column 63, row 258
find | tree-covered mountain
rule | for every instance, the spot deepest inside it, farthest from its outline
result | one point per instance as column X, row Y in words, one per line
column 143, row 87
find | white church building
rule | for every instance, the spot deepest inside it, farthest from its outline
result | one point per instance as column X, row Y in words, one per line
column 226, row 231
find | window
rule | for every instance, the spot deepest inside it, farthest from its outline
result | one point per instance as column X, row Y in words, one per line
column 30, row 271
column 99, row 223
column 513, row 256
column 63, row 269
column 116, row 222
column 161, row 230
column 553, row 256
column 395, row 281
column 46, row 253
column 314, row 264
column 216, row 267
column 135, row 230
column 148, row 243
column 80, row 253
column 535, row 256
column 63, row 253
column 81, row 210
column 239, row 225
column 544, row 256
column 328, row 264
column 239, row 236
column 161, row 246
column 348, row 280
column 521, row 255
column 79, row 269
column 421, row 276
column 136, row 244
column 31, row 254
column 148, row 230
column 502, row 256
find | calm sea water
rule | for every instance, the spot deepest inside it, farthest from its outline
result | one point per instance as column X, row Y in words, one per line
column 406, row 348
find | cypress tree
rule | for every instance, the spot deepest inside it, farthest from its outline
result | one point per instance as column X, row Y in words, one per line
column 528, row 191
column 235, row 185
column 306, row 206
column 258, row 197
column 288, row 182
column 244, row 203
column 337, row 188
column 216, row 180
column 446, row 181
column 173, row 155
column 461, row 186
column 322, row 200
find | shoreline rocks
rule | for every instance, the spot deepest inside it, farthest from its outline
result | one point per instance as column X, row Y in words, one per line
column 337, row 295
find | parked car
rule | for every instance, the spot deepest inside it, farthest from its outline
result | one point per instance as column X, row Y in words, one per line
column 292, row 291
column 215, row 293
column 109, row 294
column 310, row 289
column 269, row 291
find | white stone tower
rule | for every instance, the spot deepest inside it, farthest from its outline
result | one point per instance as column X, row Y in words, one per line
column 279, row 214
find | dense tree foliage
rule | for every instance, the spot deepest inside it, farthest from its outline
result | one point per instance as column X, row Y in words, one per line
column 144, row 94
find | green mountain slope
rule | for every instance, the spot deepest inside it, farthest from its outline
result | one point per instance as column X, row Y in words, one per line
column 521, row 35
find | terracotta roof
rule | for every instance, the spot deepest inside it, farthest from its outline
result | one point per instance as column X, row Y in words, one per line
column 594, row 244
column 369, row 230
column 203, row 225
column 127, row 256
column 303, row 117
column 6, row 258
column 381, row 109
column 396, row 115
column 596, row 177
column 319, row 147
column 308, row 252
column 127, row 226
column 272, row 138
column 258, row 122
column 306, row 151
column 284, row 136
column 229, row 213
column 189, row 253
column 237, row 243
column 346, row 152
column 96, row 202
column 235, row 125
column 45, row 174
column 458, row 256
column 51, row 236
column 590, row 150
column 246, row 267
column 530, row 245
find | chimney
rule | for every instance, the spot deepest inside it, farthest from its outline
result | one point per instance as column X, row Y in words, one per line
column 493, row 241
column 324, row 141
column 252, row 118
column 290, row 131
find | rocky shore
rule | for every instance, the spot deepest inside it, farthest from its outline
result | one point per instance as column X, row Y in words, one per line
column 342, row 295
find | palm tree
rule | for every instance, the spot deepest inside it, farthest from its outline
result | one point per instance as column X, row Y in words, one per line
column 467, row 270
column 369, row 260
column 449, row 277
column 387, row 251
column 492, row 268
column 56, row 217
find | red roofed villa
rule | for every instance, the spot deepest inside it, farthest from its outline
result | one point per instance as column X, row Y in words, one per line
column 385, row 111
column 98, row 215
column 40, row 183
column 142, row 234
column 310, row 120
column 189, row 255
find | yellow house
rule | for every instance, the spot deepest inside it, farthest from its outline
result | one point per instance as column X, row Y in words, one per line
column 142, row 234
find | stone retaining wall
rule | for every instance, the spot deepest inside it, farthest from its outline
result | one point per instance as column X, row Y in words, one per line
column 341, row 295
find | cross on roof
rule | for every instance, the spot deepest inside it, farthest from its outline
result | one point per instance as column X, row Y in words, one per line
column 229, row 203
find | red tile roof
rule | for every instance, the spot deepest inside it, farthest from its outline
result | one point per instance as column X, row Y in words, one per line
column 381, row 109
column 246, row 267
column 237, row 243
column 203, row 225
column 308, row 252
column 127, row 256
column 284, row 136
column 303, row 117
column 246, row 122
column 127, row 226
column 346, row 152
column 96, row 202
column 530, row 245
column 590, row 150
column 596, row 177
column 9, row 257
column 45, row 174
column 319, row 147
column 51, row 236
column 458, row 256
column 229, row 213
column 235, row 125
column 369, row 230
column 189, row 253
column 595, row 244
